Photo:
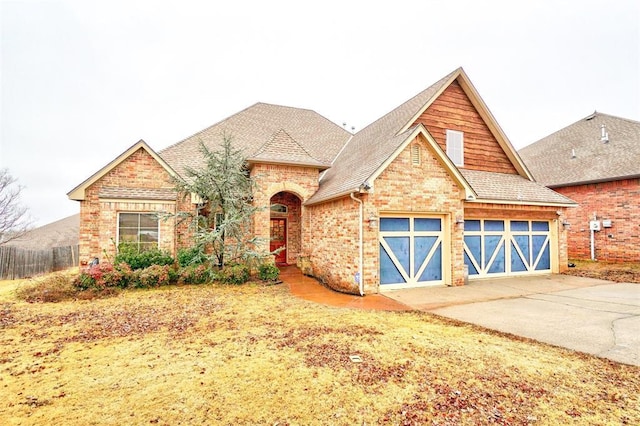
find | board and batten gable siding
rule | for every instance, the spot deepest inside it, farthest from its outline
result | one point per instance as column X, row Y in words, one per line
column 99, row 217
column 453, row 110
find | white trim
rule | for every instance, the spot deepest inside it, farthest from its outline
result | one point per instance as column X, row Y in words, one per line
column 440, row 242
column 78, row 193
column 506, row 241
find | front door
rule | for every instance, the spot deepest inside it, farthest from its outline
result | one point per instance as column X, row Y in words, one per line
column 279, row 239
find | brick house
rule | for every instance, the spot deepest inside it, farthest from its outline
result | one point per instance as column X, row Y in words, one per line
column 429, row 190
column 595, row 162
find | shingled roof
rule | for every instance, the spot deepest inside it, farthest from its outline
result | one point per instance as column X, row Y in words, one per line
column 502, row 187
column 282, row 148
column 368, row 150
column 578, row 153
column 254, row 129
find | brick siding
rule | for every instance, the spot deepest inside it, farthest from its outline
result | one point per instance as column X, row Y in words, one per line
column 618, row 201
column 99, row 217
column 401, row 187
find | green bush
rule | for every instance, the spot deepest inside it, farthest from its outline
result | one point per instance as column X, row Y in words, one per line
column 190, row 256
column 194, row 274
column 130, row 254
column 268, row 272
column 234, row 274
column 153, row 276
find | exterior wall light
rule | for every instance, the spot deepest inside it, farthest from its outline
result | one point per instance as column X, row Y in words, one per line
column 565, row 224
column 459, row 221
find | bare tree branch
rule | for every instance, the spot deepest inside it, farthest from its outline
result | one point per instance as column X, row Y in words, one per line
column 14, row 221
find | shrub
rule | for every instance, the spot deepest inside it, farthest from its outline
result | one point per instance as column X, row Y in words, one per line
column 136, row 259
column 190, row 256
column 50, row 288
column 153, row 276
column 234, row 274
column 268, row 272
column 194, row 274
column 99, row 277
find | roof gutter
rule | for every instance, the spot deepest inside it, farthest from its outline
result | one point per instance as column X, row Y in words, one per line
column 360, row 275
column 521, row 203
column 590, row 182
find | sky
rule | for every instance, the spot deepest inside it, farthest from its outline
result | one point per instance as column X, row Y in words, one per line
column 82, row 81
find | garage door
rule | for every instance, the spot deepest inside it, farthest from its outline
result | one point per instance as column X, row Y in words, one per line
column 410, row 251
column 506, row 247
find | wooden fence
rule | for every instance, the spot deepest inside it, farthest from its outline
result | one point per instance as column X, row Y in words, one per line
column 16, row 263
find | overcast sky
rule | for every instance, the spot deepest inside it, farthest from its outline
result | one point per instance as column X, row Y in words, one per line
column 82, row 81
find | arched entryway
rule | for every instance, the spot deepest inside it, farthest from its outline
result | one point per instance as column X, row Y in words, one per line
column 285, row 227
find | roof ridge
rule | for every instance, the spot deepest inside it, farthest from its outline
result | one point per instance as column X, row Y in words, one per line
column 206, row 128
column 403, row 104
column 272, row 140
column 589, row 117
column 240, row 112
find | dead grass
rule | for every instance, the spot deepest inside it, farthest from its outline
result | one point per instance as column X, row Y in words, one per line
column 617, row 272
column 256, row 355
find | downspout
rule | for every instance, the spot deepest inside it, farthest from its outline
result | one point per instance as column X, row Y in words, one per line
column 361, row 247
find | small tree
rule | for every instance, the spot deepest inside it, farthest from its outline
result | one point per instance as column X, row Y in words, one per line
column 14, row 221
column 222, row 224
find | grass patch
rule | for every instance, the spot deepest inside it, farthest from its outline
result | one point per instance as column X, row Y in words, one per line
column 254, row 354
column 617, row 272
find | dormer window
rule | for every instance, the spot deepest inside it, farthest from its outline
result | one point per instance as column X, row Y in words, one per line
column 455, row 147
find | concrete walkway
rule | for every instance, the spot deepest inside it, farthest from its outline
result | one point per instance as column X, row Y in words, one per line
column 310, row 289
column 587, row 315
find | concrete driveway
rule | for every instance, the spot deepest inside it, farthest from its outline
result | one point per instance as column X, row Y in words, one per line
column 583, row 314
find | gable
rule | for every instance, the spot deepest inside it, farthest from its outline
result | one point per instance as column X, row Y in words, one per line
column 418, row 170
column 453, row 110
column 137, row 164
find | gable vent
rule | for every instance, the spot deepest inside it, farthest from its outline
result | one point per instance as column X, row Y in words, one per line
column 415, row 154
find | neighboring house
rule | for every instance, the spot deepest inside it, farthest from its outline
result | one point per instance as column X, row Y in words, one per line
column 596, row 162
column 61, row 233
column 409, row 200
column 45, row 249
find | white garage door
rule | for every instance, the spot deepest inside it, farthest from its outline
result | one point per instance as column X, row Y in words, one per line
column 506, row 247
column 410, row 251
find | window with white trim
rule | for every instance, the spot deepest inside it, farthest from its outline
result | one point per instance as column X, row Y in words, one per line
column 455, row 147
column 140, row 229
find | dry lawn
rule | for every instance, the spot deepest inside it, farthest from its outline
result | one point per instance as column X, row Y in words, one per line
column 257, row 355
column 618, row 272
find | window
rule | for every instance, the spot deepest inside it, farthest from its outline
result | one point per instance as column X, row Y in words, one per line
column 278, row 208
column 140, row 229
column 455, row 147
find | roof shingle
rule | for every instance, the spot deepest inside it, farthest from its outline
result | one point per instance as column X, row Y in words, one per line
column 138, row 193
column 254, row 127
column 367, row 151
column 577, row 154
column 510, row 187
